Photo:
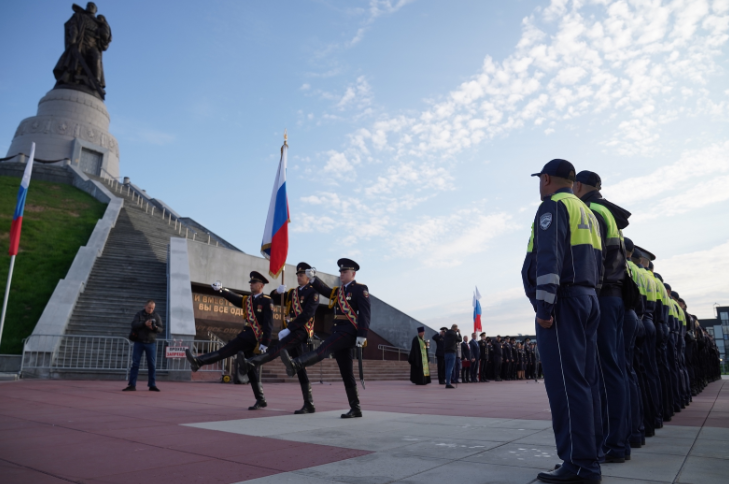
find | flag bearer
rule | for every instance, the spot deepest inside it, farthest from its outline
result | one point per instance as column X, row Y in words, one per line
column 258, row 313
column 301, row 303
column 561, row 271
column 351, row 302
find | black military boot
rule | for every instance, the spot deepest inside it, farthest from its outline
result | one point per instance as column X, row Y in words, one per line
column 201, row 360
column 294, row 365
column 308, row 400
column 245, row 365
column 258, row 393
column 355, row 411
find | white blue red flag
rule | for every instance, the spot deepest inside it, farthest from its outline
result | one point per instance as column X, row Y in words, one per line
column 275, row 244
column 20, row 206
column 476, row 311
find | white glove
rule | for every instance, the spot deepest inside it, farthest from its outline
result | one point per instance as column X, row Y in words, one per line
column 361, row 341
column 217, row 286
column 283, row 333
column 262, row 348
column 281, row 289
column 311, row 274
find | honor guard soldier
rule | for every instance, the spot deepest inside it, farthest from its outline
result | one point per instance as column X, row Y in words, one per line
column 258, row 313
column 300, row 308
column 561, row 271
column 351, row 302
column 610, row 340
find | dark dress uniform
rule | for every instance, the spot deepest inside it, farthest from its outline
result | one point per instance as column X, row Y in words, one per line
column 562, row 268
column 258, row 312
column 351, row 304
column 497, row 349
column 484, row 360
column 300, row 307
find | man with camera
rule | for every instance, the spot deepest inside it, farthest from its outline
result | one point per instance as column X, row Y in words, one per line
column 145, row 327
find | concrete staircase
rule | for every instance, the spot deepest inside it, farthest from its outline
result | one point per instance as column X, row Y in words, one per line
column 131, row 270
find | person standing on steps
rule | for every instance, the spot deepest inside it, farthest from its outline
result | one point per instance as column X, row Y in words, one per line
column 351, row 302
column 258, row 313
column 145, row 327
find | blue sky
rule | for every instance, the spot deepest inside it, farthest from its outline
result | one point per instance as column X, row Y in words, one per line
column 413, row 128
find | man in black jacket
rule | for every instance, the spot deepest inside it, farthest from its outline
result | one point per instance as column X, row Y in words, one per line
column 483, row 347
column 452, row 340
column 497, row 350
column 145, row 326
column 465, row 361
column 440, row 354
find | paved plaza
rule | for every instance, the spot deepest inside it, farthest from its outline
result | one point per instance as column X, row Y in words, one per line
column 90, row 432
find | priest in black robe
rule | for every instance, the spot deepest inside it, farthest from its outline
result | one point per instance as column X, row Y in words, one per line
column 418, row 359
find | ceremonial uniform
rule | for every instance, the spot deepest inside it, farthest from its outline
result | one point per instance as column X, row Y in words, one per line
column 351, row 303
column 561, row 270
column 612, row 219
column 258, row 314
column 300, row 306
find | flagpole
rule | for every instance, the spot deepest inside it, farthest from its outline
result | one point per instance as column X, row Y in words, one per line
column 7, row 294
column 283, row 269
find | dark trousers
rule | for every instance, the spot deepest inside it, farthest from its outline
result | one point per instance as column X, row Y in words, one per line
column 247, row 343
column 340, row 345
column 614, row 383
column 634, row 414
column 651, row 370
column 474, row 370
column 674, row 371
column 457, row 370
column 663, row 372
column 646, row 401
column 498, row 363
column 483, row 369
column 568, row 352
column 441, row 369
column 296, row 344
column 150, row 351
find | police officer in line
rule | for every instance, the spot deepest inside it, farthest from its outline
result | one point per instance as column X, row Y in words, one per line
column 612, row 219
column 300, row 308
column 561, row 272
column 662, row 333
column 258, row 313
column 497, row 351
column 351, row 302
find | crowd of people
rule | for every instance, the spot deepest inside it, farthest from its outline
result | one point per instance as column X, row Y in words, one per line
column 482, row 359
column 621, row 355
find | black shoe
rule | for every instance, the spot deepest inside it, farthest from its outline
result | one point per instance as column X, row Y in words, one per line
column 307, row 408
column 153, row 389
column 498, row 379
column 563, row 475
column 650, row 433
column 627, row 457
column 635, row 445
column 353, row 398
column 450, row 386
column 258, row 404
column 194, row 363
column 130, row 389
column 609, row 459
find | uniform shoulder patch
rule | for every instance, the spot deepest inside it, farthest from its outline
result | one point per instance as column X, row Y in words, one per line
column 316, row 297
column 267, row 296
column 366, row 293
column 545, row 221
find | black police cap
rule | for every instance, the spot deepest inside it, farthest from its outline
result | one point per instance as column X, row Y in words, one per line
column 421, row 329
column 559, row 168
column 629, row 245
column 258, row 277
column 347, row 264
column 667, row 286
column 658, row 276
column 674, row 294
column 444, row 328
column 589, row 178
column 648, row 255
column 301, row 267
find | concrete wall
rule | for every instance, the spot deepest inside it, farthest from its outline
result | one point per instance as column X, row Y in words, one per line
column 232, row 268
column 180, row 314
column 394, row 325
column 48, row 173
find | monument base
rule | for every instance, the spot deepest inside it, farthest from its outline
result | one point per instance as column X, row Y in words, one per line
column 72, row 125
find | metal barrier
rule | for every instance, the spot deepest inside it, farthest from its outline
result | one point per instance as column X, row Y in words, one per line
column 383, row 348
column 43, row 354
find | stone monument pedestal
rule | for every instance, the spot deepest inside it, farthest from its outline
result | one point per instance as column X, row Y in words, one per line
column 70, row 124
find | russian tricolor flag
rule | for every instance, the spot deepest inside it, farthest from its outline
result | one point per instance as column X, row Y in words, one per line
column 476, row 311
column 20, row 206
column 275, row 244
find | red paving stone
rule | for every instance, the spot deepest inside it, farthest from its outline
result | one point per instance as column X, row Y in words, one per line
column 91, row 432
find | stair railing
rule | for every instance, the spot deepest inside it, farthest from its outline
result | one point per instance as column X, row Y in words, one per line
column 383, row 348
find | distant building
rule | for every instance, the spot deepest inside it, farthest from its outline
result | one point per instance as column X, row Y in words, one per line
column 719, row 328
